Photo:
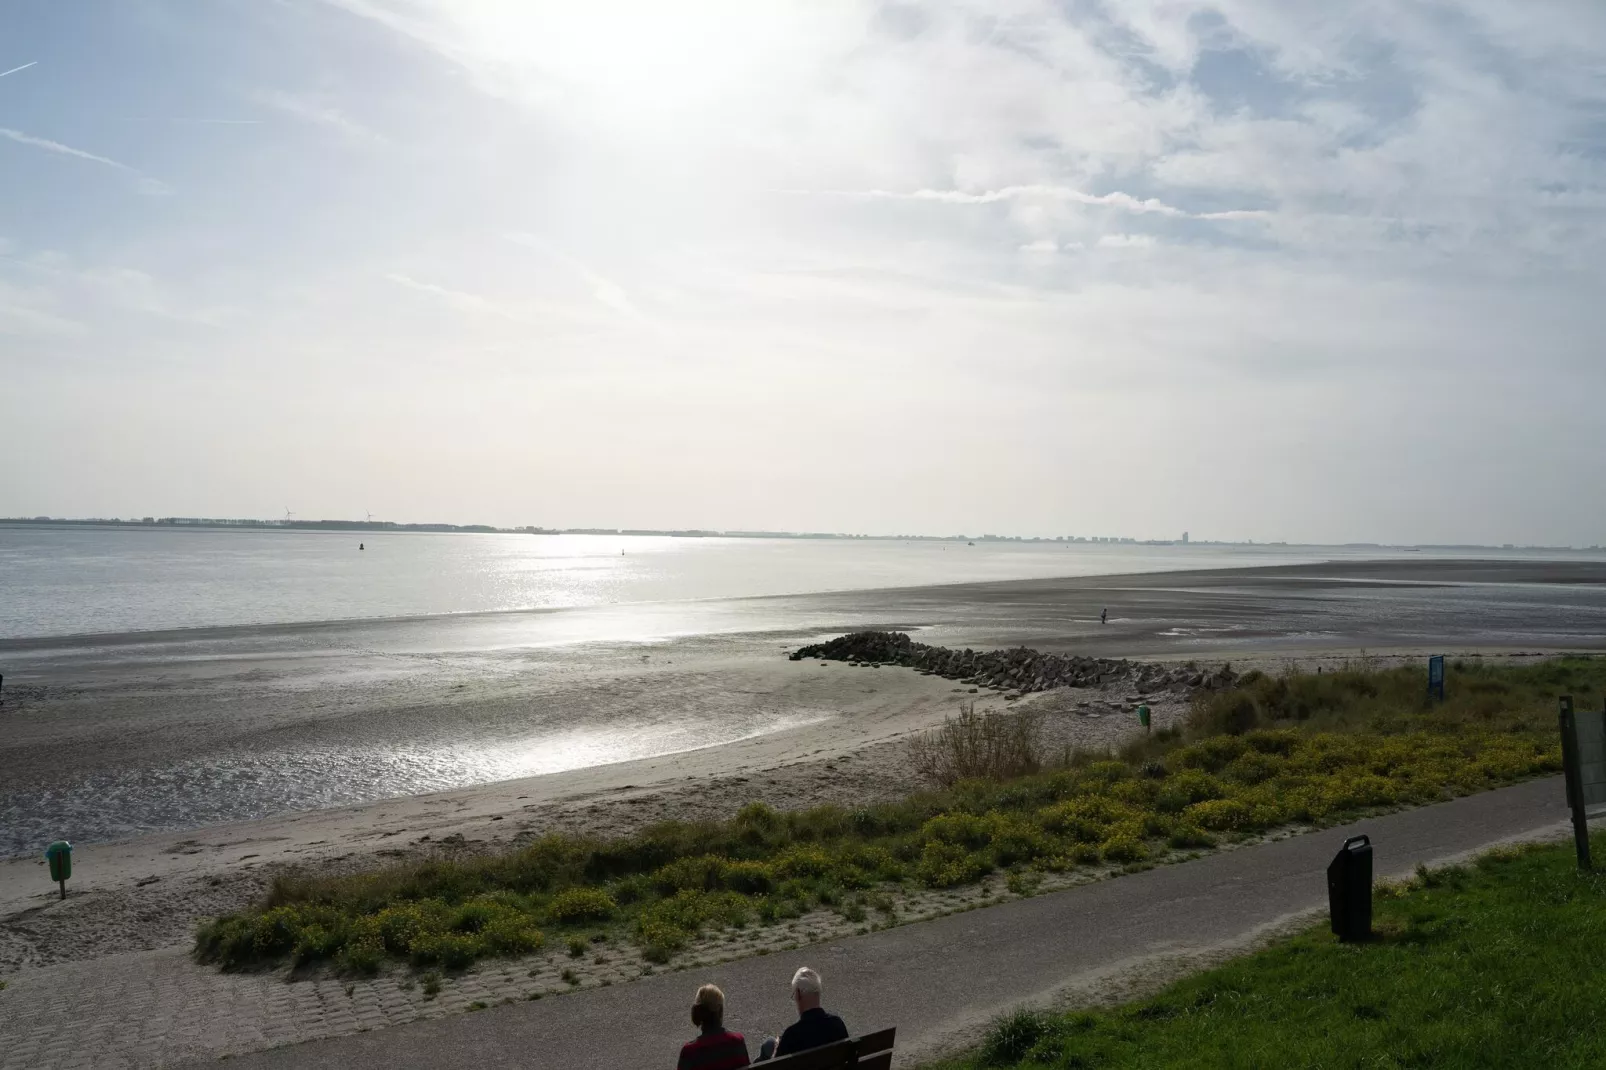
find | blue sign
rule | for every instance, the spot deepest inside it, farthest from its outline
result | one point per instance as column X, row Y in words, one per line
column 1436, row 676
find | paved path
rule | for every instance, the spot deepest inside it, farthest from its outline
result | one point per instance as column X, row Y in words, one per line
column 940, row 980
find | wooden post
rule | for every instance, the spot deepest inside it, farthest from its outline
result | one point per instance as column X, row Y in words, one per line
column 1575, row 788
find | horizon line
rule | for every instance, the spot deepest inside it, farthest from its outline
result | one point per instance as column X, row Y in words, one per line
column 438, row 527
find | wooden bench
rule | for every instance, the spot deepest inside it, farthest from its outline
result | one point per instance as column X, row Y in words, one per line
column 873, row 1051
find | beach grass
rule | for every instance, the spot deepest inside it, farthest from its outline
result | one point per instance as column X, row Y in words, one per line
column 1494, row 964
column 1298, row 749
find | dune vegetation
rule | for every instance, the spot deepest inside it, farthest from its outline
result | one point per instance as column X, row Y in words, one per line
column 1270, row 751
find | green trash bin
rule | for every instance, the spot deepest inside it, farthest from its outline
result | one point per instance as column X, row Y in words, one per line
column 59, row 855
column 1143, row 716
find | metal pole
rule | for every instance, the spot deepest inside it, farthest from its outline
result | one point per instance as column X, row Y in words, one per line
column 1575, row 788
column 63, row 889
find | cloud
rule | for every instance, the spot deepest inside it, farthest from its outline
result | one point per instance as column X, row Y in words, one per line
column 1042, row 245
column 95, row 290
column 189, row 120
column 609, row 293
column 603, row 289
column 14, row 70
column 57, row 147
column 1127, row 241
column 29, row 312
column 151, row 187
column 312, row 110
column 458, row 299
column 1116, row 199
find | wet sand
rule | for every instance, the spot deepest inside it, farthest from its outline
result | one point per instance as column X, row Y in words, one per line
column 189, row 765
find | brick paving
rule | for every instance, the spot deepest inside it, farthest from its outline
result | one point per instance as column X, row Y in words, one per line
column 153, row 1008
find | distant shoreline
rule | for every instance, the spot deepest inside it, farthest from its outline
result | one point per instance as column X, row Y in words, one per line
column 387, row 526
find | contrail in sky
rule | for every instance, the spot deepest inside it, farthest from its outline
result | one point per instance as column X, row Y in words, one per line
column 189, row 119
column 14, row 70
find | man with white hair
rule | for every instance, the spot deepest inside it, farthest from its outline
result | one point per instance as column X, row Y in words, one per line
column 813, row 1028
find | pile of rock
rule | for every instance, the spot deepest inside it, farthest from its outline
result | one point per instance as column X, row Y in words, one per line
column 1022, row 670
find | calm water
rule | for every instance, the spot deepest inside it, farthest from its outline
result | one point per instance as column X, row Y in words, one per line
column 66, row 581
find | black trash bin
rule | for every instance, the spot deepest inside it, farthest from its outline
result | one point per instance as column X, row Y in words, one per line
column 1349, row 889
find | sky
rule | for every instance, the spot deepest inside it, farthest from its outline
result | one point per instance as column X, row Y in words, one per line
column 1270, row 269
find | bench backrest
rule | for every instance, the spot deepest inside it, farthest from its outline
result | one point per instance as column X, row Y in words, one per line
column 872, row 1051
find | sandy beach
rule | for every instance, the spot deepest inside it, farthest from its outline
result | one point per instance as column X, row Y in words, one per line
column 149, row 891
column 106, row 722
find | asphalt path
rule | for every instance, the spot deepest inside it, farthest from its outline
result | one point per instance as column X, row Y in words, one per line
column 939, row 981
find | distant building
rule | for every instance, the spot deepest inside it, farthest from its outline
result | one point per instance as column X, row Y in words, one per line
column 1184, row 538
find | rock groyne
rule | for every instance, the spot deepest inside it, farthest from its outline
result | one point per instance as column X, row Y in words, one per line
column 1021, row 669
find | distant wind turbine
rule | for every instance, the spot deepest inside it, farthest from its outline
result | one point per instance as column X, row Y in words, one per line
column 287, row 514
column 370, row 519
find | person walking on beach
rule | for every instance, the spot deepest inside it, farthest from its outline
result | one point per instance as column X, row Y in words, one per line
column 1104, row 616
column 813, row 1028
column 717, row 1048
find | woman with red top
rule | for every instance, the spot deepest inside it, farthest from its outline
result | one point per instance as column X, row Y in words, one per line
column 717, row 1048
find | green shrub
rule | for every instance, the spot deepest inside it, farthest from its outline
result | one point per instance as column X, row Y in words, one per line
column 1212, row 754
column 1106, row 773
column 700, row 874
column 1014, row 1038
column 802, row 862
column 1157, row 825
column 1086, row 819
column 749, row 878
column 1230, row 713
column 1138, row 793
column 660, row 939
column 1220, row 815
column 1016, row 839
column 365, row 959
column 1273, row 741
column 757, row 824
column 575, row 906
column 314, row 942
column 475, row 916
column 511, row 935
column 946, row 865
column 1252, row 767
column 1125, row 844
column 455, row 951
column 964, row 830
column 632, row 889
column 274, row 932
column 1186, row 788
column 1185, row 836
column 229, row 942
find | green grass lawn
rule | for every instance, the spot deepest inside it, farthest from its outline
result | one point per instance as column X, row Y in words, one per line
column 1273, row 751
column 1498, row 964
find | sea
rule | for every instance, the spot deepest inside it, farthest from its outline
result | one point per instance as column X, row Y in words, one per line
column 59, row 581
